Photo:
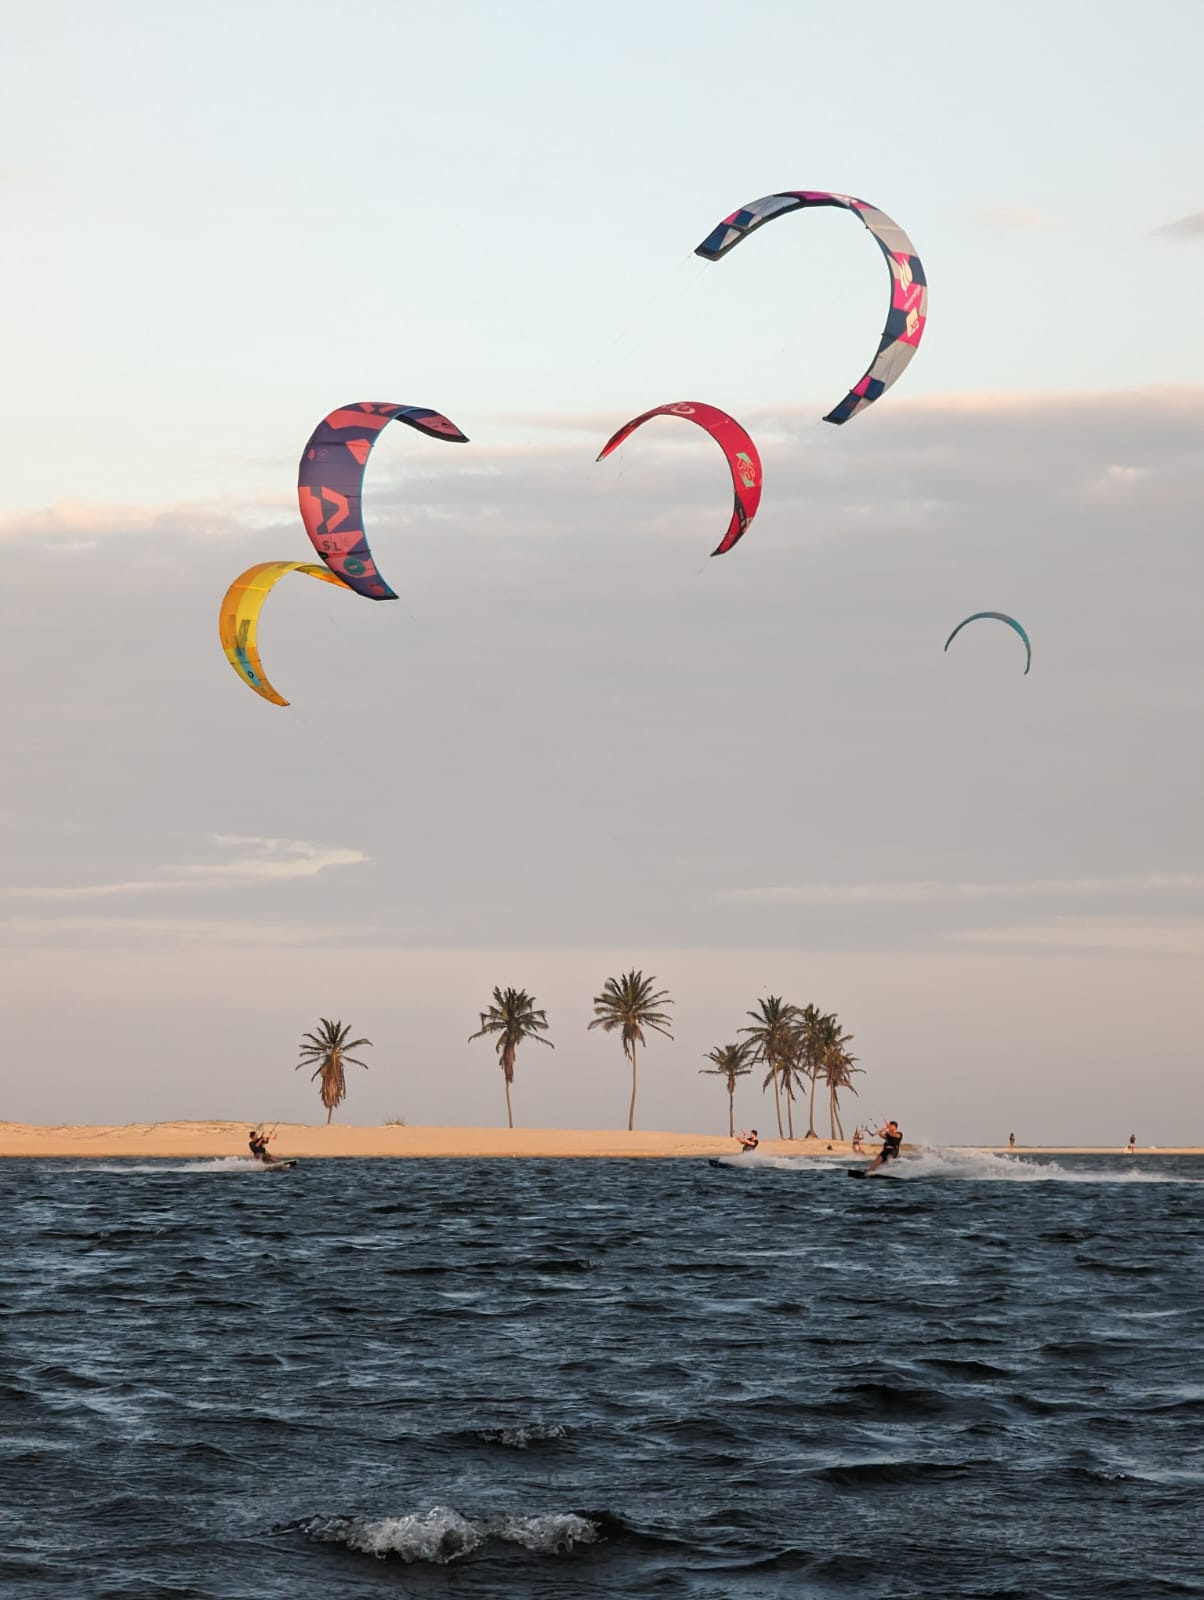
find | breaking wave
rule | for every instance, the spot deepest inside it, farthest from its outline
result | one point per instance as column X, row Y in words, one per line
column 522, row 1437
column 442, row 1534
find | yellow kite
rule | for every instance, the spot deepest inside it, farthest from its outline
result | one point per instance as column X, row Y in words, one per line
column 239, row 620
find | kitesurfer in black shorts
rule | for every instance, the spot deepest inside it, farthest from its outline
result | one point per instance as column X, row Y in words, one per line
column 891, row 1140
column 748, row 1141
column 259, row 1144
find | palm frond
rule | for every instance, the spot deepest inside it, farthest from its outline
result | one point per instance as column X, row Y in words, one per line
column 329, row 1046
column 629, row 1002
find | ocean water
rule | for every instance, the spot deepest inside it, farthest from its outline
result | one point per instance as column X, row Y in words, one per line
column 978, row 1377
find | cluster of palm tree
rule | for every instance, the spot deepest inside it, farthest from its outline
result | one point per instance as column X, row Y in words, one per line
column 800, row 1048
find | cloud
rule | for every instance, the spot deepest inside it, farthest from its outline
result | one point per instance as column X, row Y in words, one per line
column 1189, row 227
column 267, row 860
column 1157, row 937
column 786, row 714
column 78, row 525
column 926, row 462
column 277, row 858
column 1117, row 479
column 161, row 933
column 926, row 890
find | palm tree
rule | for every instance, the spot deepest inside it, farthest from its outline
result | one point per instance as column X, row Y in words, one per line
column 810, row 1040
column 792, row 1069
column 838, row 1070
column 772, row 1039
column 329, row 1048
column 629, row 1003
column 513, row 1016
column 731, row 1062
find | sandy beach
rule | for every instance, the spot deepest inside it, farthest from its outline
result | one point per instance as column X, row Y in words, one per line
column 298, row 1139
column 215, row 1139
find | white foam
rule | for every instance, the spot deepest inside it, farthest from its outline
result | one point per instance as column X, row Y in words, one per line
column 780, row 1163
column 518, row 1438
column 443, row 1534
column 211, row 1164
column 981, row 1166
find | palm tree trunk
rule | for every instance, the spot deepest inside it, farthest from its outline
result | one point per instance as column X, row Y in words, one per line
column 777, row 1099
column 731, row 1110
column 329, row 1114
column 631, row 1108
column 811, row 1133
column 835, row 1123
column 789, row 1103
column 509, row 1113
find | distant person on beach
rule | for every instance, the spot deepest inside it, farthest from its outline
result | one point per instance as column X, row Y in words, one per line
column 1011, row 1141
column 259, row 1144
column 891, row 1138
column 1131, row 1147
column 748, row 1141
column 858, row 1147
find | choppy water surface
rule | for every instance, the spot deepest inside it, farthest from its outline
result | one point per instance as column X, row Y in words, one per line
column 562, row 1379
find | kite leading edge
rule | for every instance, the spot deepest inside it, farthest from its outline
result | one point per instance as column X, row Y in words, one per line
column 998, row 616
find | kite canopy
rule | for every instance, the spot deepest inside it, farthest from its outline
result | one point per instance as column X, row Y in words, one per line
column 737, row 446
column 998, row 616
column 909, row 287
column 238, row 623
column 330, row 482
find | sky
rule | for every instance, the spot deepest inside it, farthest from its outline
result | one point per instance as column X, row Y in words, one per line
column 575, row 744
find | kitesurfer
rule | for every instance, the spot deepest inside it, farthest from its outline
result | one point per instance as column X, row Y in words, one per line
column 857, row 1146
column 891, row 1138
column 748, row 1141
column 259, row 1144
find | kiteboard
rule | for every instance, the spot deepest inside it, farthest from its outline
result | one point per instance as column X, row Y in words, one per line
column 279, row 1166
column 858, row 1172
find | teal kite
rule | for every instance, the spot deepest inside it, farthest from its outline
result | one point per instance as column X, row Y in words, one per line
column 999, row 616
